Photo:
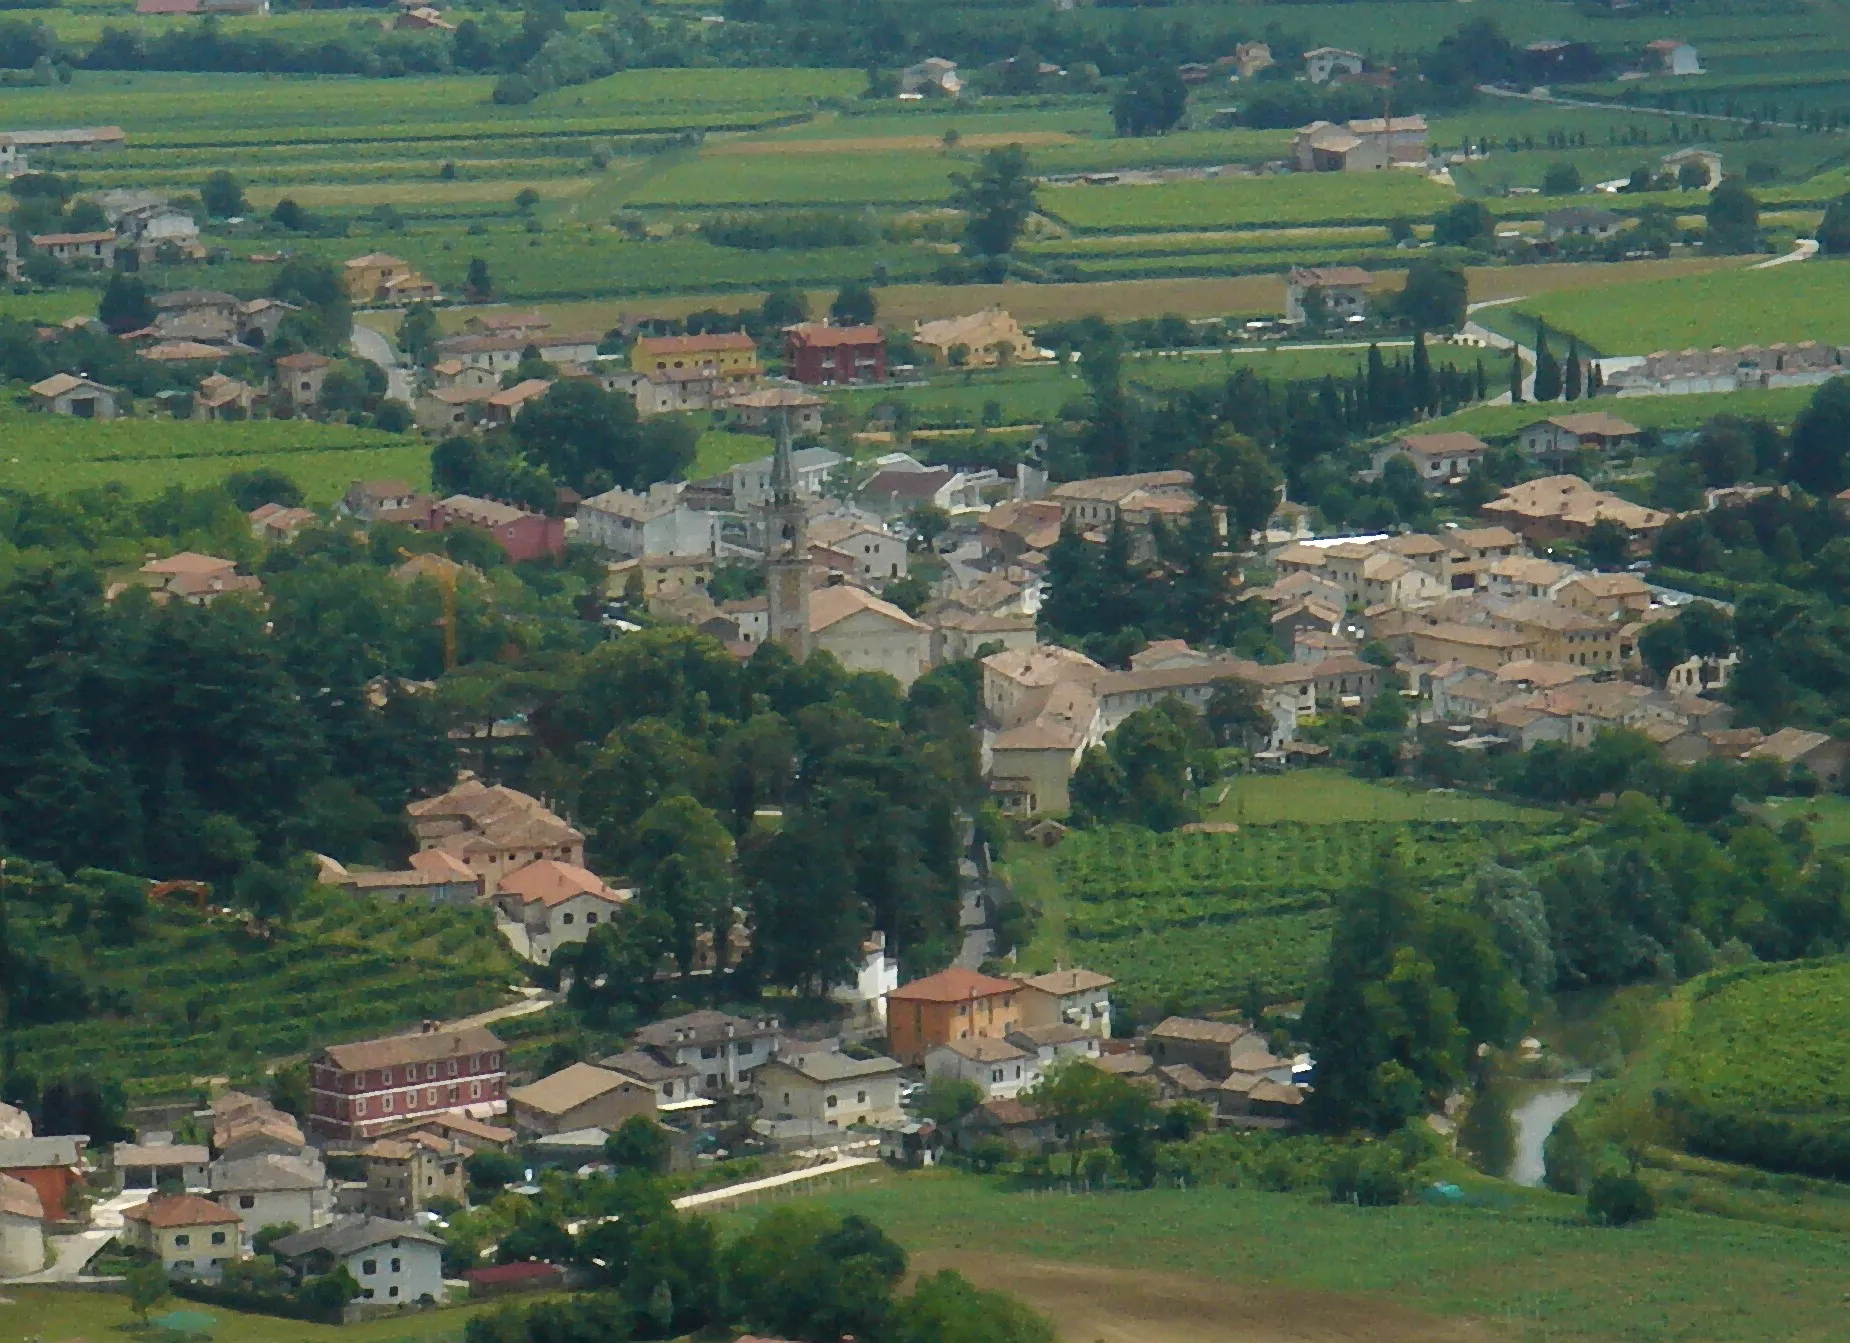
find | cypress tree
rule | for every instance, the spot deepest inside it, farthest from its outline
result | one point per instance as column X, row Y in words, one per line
column 1483, row 380
column 1570, row 373
column 1547, row 368
column 1515, row 376
column 1423, row 399
column 1377, row 386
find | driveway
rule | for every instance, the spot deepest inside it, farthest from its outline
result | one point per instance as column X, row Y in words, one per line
column 75, row 1252
column 376, row 349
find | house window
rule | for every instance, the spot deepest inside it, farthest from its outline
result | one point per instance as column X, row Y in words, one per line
column 367, row 1294
column 833, row 1101
column 369, row 1266
column 475, row 1061
column 430, row 1096
column 709, row 1051
column 385, row 1077
column 183, row 1266
column 398, row 1266
column 218, row 1237
column 494, row 1060
column 430, row 1071
column 386, row 1104
column 860, row 1098
column 450, row 1068
column 995, row 1074
column 589, row 918
column 475, row 1091
column 565, row 918
column 359, row 1107
column 393, row 1292
column 182, row 1240
column 247, row 1200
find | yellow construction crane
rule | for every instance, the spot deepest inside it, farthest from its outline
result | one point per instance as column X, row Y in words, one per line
column 444, row 572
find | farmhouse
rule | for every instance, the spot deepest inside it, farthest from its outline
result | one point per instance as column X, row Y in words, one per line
column 94, row 250
column 1707, row 159
column 22, row 1229
column 380, row 278
column 1340, row 291
column 1559, row 436
column 932, row 76
column 1438, row 459
column 393, row 1262
column 826, row 356
column 830, row 1087
column 999, row 1069
column 578, row 1097
column 555, row 904
column 721, row 1051
column 1323, row 63
column 190, row 1236
column 1580, row 221
column 729, row 353
column 631, row 525
column 302, row 375
column 985, row 339
column 1362, row 145
column 1553, row 507
column 494, row 831
column 1672, row 56
column 65, row 394
column 954, row 1004
column 800, row 410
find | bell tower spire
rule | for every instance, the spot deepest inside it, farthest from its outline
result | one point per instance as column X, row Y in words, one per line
column 786, row 550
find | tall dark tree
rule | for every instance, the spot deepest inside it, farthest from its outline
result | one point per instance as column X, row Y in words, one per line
column 1150, row 102
column 996, row 199
column 126, row 304
column 1547, row 368
column 1571, row 373
column 1425, row 397
column 1733, row 219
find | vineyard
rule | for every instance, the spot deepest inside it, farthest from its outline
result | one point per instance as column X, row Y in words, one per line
column 1188, row 922
column 196, row 995
column 1759, row 1071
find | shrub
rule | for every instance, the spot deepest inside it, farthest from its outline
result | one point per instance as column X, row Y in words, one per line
column 1619, row 1198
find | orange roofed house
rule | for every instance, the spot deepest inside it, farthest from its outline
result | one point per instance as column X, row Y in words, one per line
column 954, row 1004
column 379, row 278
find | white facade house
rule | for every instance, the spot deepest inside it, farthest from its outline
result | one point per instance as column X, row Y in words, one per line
column 1673, row 56
column 1324, row 63
column 272, row 1191
column 830, row 1087
column 631, row 525
column 751, row 481
column 723, row 1051
column 876, row 553
column 555, row 904
column 1048, row 1045
column 395, row 1263
column 1000, row 1069
column 876, row 976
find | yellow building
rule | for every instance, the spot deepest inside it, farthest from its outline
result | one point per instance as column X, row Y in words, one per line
column 988, row 337
column 380, row 278
column 728, row 354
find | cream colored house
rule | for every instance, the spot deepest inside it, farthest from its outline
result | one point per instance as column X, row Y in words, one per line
column 831, row 1087
column 999, row 1069
column 22, row 1228
column 865, row 633
column 556, row 903
column 272, row 1190
column 1009, row 678
column 987, row 338
column 193, row 1237
column 878, row 555
column 493, row 830
column 1079, row 998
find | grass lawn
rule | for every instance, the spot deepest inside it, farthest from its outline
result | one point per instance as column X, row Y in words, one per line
column 1806, row 301
column 55, row 1316
column 1828, row 815
column 1650, row 412
column 1531, row 1269
column 1331, row 797
column 720, row 450
column 1300, row 198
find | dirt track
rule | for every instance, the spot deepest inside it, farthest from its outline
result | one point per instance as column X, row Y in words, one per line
column 887, row 143
column 1090, row 1304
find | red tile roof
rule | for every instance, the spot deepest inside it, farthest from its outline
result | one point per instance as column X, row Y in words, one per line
column 953, row 986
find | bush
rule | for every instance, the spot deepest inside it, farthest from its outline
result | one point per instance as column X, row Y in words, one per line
column 1619, row 1198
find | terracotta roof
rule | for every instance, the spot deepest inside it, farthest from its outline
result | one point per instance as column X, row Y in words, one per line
column 1010, row 1111
column 188, row 562
column 952, row 986
column 831, row 605
column 1443, row 445
column 420, row 1047
column 713, row 341
column 815, row 335
column 306, row 360
column 550, row 882
column 173, row 1210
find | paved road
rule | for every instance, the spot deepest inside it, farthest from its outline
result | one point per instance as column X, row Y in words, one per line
column 1641, row 110
column 1496, row 340
column 524, row 1008
column 75, row 1252
column 376, row 349
column 1803, row 249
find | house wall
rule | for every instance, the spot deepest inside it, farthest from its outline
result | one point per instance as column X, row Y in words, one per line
column 359, row 1103
column 53, row 1183
column 913, row 1027
column 1088, row 1010
column 259, row 1208
column 998, row 1081
column 869, row 641
column 401, row 1272
column 567, row 922
column 22, row 1245
column 607, row 1111
column 189, row 1251
column 783, row 1091
column 1046, row 772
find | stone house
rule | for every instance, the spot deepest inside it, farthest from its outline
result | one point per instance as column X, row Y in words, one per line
column 830, row 1087
column 79, row 397
column 1342, row 289
column 556, row 904
column 578, row 1097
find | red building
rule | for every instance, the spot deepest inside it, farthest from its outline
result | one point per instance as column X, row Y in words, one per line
column 520, row 534
column 822, row 355
column 53, row 1166
column 360, row 1089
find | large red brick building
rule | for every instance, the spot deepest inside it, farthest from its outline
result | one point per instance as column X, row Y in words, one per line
column 360, row 1089
column 827, row 355
column 520, row 534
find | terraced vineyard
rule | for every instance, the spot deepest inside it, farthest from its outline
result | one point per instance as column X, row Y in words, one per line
column 1187, row 922
column 197, row 995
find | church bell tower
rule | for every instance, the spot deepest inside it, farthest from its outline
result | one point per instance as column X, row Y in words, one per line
column 786, row 551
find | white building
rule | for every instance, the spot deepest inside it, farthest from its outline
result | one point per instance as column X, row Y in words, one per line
column 395, row 1263
column 830, row 1087
column 1001, row 1070
column 878, row 555
column 722, row 1050
column 657, row 523
column 555, row 903
column 876, row 976
column 751, row 481
column 1673, row 56
column 1324, row 63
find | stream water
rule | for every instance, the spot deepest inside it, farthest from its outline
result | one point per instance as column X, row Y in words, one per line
column 1509, row 1121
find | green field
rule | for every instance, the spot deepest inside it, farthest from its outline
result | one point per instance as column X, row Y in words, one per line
column 1191, row 922
column 1807, row 301
column 1320, row 198
column 1331, row 797
column 199, row 996
column 1650, row 412
column 1527, row 1269
column 54, row 453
